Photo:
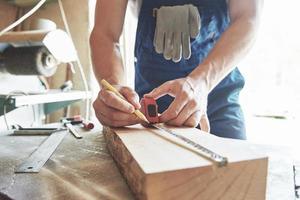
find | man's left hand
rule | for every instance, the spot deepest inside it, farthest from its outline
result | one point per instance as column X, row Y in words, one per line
column 190, row 103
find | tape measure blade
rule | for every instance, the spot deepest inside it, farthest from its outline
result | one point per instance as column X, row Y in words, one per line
column 39, row 157
column 205, row 152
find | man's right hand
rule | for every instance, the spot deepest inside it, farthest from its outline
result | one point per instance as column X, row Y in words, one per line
column 113, row 111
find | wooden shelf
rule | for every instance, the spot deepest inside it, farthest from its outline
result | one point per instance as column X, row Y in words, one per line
column 22, row 36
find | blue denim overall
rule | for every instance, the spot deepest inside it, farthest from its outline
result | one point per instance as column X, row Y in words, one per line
column 152, row 70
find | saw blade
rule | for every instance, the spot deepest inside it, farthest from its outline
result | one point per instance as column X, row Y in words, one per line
column 219, row 160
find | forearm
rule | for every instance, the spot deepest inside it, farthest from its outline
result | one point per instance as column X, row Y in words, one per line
column 228, row 51
column 106, row 57
column 233, row 45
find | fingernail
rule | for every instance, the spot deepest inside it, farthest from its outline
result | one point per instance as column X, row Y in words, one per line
column 131, row 109
column 137, row 106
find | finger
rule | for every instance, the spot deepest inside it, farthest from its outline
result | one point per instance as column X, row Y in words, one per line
column 113, row 114
column 177, row 51
column 155, row 37
column 168, row 46
column 175, row 108
column 113, row 101
column 114, row 123
column 159, row 41
column 131, row 96
column 193, row 120
column 194, row 19
column 185, row 114
column 204, row 123
column 186, row 46
column 160, row 91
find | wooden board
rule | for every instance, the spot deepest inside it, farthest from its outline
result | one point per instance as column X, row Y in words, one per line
column 155, row 168
column 23, row 36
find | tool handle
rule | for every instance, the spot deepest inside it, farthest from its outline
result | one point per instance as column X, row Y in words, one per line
column 88, row 125
column 109, row 87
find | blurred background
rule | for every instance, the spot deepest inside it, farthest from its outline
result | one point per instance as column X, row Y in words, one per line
column 270, row 98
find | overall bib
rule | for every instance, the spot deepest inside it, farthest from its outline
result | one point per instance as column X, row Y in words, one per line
column 152, row 70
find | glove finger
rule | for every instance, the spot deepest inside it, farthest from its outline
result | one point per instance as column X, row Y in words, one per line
column 177, row 49
column 155, row 38
column 168, row 46
column 194, row 21
column 186, row 46
column 159, row 41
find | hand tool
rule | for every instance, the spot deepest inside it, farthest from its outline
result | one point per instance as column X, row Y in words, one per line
column 40, row 156
column 77, row 119
column 74, row 118
column 150, row 107
column 36, row 131
column 69, row 125
column 87, row 125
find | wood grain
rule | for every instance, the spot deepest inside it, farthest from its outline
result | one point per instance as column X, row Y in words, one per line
column 155, row 168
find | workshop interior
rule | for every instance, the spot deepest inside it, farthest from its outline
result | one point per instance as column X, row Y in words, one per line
column 52, row 145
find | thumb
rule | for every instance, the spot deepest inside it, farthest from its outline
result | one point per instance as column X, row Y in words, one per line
column 204, row 123
column 159, row 91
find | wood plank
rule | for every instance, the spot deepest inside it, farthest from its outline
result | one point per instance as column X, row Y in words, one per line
column 23, row 36
column 155, row 168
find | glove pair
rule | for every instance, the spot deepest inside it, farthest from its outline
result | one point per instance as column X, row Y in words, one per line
column 175, row 25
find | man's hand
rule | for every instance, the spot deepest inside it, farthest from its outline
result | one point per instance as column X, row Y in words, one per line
column 189, row 105
column 113, row 111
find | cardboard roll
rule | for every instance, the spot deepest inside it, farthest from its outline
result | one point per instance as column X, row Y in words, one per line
column 34, row 60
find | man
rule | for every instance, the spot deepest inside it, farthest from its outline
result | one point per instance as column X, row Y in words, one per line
column 190, row 83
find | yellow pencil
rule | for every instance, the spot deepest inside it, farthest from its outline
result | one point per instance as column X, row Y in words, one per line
column 109, row 87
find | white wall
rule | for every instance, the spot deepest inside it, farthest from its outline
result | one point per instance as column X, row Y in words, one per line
column 272, row 69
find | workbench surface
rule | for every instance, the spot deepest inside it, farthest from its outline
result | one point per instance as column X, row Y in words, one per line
column 83, row 169
column 78, row 169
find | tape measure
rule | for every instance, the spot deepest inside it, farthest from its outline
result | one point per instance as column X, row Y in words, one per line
column 149, row 114
column 150, row 109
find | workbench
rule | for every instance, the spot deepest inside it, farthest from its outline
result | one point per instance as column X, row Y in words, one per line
column 83, row 169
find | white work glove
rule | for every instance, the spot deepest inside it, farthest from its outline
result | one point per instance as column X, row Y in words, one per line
column 175, row 25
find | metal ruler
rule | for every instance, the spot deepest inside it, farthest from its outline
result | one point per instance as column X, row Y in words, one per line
column 39, row 157
column 73, row 131
column 219, row 160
